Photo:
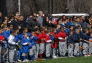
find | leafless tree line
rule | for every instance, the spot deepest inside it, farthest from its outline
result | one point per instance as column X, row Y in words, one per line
column 59, row 6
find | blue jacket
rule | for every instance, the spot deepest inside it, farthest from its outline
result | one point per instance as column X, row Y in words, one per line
column 70, row 39
column 84, row 36
column 34, row 40
column 83, row 24
column 73, row 38
column 76, row 37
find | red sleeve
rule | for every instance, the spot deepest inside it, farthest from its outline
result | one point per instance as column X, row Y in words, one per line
column 2, row 38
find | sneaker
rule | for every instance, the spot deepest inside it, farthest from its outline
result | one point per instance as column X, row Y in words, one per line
column 19, row 61
column 88, row 55
column 85, row 55
column 54, row 56
column 25, row 60
column 71, row 56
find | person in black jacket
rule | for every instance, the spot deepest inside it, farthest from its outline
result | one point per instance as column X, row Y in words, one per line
column 76, row 39
column 70, row 44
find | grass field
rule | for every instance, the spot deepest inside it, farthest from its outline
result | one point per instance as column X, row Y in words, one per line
column 67, row 60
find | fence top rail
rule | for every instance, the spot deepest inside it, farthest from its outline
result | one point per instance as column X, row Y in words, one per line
column 71, row 14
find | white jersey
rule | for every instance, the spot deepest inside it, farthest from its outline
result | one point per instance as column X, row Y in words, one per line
column 11, row 40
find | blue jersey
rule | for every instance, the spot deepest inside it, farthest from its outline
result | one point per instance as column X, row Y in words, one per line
column 20, row 36
column 34, row 40
column 29, row 34
column 6, row 33
column 25, row 48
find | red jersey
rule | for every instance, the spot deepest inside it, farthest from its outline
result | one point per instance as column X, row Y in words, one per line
column 48, row 40
column 42, row 37
column 61, row 36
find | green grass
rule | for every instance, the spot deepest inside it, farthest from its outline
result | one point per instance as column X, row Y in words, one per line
column 67, row 60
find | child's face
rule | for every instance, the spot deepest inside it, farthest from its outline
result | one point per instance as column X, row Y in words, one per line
column 35, row 14
column 71, row 33
column 5, row 28
column 78, row 31
column 11, row 27
column 33, row 33
column 37, row 31
column 25, row 35
column 91, row 34
column 26, row 30
column 78, row 20
column 48, row 33
column 72, row 28
column 0, row 14
column 0, row 31
column 15, row 33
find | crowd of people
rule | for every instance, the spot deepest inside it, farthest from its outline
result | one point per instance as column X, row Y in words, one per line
column 40, row 36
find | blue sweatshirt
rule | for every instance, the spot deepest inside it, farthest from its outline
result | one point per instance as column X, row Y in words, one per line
column 25, row 48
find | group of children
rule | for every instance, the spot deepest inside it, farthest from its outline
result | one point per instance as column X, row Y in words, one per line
column 71, row 37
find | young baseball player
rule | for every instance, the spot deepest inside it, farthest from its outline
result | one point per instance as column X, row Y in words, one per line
column 6, row 32
column 62, row 43
column 42, row 38
column 85, row 44
column 25, row 47
column 70, row 43
column 49, row 39
column 33, row 50
column 12, row 46
column 37, row 44
column 76, row 38
column 55, row 45
column 1, row 46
